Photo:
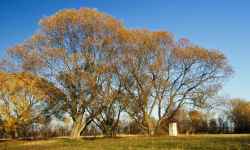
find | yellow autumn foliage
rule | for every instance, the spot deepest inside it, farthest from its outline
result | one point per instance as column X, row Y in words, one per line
column 20, row 93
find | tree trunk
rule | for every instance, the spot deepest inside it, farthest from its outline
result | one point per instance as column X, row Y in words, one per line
column 110, row 133
column 151, row 131
column 14, row 134
column 77, row 128
column 150, row 125
column 157, row 127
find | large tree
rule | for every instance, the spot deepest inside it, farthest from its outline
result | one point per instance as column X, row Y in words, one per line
column 160, row 75
column 73, row 49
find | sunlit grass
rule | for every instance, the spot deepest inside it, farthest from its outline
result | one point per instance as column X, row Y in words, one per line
column 196, row 142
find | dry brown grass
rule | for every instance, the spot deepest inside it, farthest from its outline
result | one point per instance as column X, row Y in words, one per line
column 182, row 142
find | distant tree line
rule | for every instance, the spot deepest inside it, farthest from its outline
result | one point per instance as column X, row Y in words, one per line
column 239, row 111
column 106, row 78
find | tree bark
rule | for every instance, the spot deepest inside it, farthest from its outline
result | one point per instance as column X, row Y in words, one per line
column 77, row 128
column 150, row 125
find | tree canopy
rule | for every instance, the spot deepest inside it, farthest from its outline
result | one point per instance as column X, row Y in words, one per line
column 100, row 65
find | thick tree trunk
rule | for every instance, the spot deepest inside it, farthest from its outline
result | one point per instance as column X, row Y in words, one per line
column 77, row 128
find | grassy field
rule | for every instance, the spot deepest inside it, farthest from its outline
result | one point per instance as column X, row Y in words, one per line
column 196, row 142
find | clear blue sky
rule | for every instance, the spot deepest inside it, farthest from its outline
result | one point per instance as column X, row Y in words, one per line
column 222, row 24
